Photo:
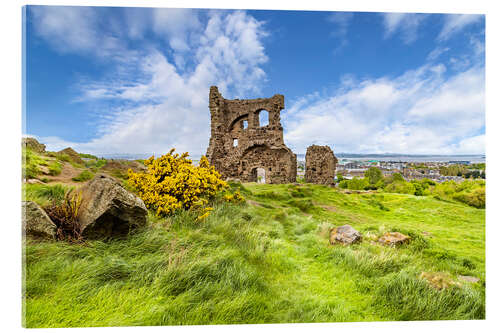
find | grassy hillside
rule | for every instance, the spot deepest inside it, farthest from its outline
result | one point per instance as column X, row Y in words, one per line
column 267, row 261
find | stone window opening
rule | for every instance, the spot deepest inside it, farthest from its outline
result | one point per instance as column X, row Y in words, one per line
column 245, row 124
column 235, row 142
column 263, row 118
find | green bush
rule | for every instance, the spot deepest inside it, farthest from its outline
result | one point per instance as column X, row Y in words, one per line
column 476, row 198
column 31, row 163
column 357, row 183
column 83, row 176
column 400, row 187
column 374, row 175
column 62, row 157
column 55, row 168
column 95, row 164
column 83, row 155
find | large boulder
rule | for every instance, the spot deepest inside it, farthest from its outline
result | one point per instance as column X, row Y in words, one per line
column 345, row 235
column 393, row 239
column 108, row 210
column 36, row 222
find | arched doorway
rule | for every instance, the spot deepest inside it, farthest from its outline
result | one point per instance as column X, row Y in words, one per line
column 258, row 175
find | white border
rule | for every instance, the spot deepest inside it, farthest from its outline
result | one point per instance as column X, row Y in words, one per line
column 10, row 21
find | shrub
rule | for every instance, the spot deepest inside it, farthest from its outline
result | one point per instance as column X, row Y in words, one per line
column 83, row 155
column 172, row 182
column 30, row 163
column 55, row 168
column 83, row 176
column 64, row 215
column 419, row 189
column 95, row 164
column 400, row 187
column 397, row 177
column 62, row 157
column 476, row 198
column 235, row 197
column 374, row 175
column 343, row 183
column 357, row 183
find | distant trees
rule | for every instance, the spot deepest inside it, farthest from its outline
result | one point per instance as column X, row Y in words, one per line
column 374, row 175
column 397, row 177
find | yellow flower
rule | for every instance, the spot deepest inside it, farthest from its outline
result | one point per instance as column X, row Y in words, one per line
column 172, row 182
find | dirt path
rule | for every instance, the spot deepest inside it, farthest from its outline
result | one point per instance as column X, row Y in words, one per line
column 65, row 177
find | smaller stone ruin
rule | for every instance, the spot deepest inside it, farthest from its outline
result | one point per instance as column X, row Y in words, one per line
column 320, row 165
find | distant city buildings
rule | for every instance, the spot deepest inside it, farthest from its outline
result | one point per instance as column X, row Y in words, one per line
column 349, row 168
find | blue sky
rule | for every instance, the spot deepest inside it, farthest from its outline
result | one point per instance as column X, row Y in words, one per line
column 136, row 80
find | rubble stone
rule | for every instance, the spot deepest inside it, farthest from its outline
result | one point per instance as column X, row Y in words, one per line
column 394, row 239
column 344, row 234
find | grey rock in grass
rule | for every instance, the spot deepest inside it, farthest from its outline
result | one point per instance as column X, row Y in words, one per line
column 467, row 278
column 394, row 239
column 109, row 210
column 33, row 181
column 36, row 222
column 345, row 235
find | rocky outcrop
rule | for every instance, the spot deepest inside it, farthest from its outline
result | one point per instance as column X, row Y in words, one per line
column 124, row 165
column 320, row 165
column 73, row 155
column 344, row 235
column 36, row 222
column 393, row 239
column 108, row 210
column 33, row 144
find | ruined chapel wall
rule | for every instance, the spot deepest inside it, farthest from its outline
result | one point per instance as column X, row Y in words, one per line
column 257, row 146
column 320, row 165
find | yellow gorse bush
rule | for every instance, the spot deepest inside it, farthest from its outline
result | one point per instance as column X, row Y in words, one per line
column 235, row 197
column 173, row 182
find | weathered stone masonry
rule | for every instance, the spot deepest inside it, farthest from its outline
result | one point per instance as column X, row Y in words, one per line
column 320, row 165
column 239, row 145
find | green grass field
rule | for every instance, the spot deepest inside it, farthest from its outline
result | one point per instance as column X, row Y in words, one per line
column 266, row 261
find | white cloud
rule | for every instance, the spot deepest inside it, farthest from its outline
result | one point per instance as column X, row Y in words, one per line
column 437, row 52
column 454, row 23
column 406, row 23
column 421, row 111
column 176, row 24
column 76, row 30
column 169, row 106
column 342, row 21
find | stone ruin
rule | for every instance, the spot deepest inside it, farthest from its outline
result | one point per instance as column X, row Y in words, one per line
column 320, row 165
column 243, row 148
